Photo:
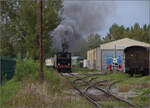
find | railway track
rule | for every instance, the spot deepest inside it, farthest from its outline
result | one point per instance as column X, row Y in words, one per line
column 74, row 80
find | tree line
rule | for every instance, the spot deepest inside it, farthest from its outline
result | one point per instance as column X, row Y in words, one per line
column 19, row 29
column 134, row 32
column 118, row 32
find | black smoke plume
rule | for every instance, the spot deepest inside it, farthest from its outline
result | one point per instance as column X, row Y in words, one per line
column 81, row 18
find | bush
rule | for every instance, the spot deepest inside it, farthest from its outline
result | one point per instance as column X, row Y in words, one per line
column 26, row 68
column 29, row 68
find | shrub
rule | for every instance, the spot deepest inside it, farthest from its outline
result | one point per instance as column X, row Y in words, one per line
column 25, row 68
column 29, row 68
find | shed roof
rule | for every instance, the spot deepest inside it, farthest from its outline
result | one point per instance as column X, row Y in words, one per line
column 123, row 43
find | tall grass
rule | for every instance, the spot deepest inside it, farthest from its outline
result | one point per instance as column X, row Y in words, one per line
column 7, row 90
column 29, row 68
column 28, row 72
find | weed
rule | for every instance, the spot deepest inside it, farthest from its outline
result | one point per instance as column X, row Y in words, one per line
column 83, row 70
column 141, row 101
column 7, row 90
column 114, row 76
column 113, row 104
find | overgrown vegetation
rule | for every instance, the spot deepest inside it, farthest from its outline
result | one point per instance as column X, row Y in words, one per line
column 114, row 76
column 19, row 27
column 139, row 85
column 25, row 89
column 83, row 70
column 7, row 90
column 30, row 68
column 27, row 71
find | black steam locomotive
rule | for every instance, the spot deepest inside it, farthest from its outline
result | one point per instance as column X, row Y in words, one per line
column 62, row 60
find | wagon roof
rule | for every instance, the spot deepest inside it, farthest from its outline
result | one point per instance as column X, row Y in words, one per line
column 123, row 43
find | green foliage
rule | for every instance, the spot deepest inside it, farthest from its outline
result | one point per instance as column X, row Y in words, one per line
column 83, row 70
column 113, row 104
column 134, row 81
column 4, row 78
column 53, row 79
column 19, row 27
column 26, row 68
column 141, row 101
column 145, row 92
column 114, row 76
column 27, row 71
column 29, row 68
column 7, row 90
column 134, row 32
column 94, row 41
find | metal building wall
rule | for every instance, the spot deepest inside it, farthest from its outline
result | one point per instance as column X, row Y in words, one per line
column 98, row 58
column 91, row 57
column 104, row 55
column 149, row 59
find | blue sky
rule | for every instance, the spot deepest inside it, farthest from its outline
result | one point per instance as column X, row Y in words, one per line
column 127, row 13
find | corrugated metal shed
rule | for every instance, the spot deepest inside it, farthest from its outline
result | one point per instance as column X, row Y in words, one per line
column 123, row 43
column 98, row 57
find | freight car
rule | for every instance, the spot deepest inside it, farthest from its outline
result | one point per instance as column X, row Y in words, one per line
column 137, row 60
column 62, row 62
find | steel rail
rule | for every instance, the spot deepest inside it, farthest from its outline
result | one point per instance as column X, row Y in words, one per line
column 108, row 92
column 85, row 95
column 108, row 88
column 73, row 83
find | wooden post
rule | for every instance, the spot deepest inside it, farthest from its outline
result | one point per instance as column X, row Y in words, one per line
column 40, row 38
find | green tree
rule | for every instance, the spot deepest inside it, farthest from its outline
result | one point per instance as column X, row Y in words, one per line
column 94, row 41
column 146, row 33
column 134, row 32
column 23, row 26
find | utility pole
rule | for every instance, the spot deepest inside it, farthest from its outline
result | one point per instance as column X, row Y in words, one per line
column 40, row 39
column 149, row 39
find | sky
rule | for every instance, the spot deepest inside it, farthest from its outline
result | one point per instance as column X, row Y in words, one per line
column 127, row 13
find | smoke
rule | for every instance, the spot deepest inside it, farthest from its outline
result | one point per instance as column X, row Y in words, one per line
column 81, row 18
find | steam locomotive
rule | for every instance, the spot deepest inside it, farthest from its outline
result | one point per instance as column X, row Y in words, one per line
column 62, row 60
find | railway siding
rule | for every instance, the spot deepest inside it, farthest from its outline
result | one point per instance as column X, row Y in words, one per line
column 106, row 87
